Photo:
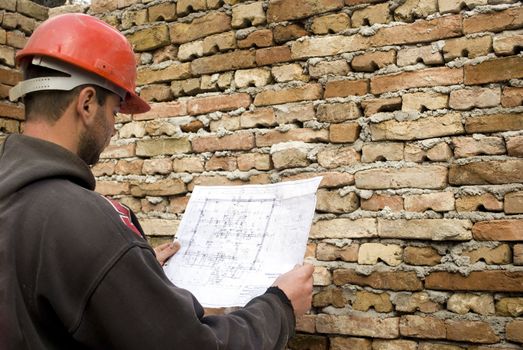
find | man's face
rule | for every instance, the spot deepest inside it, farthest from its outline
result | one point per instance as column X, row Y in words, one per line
column 94, row 140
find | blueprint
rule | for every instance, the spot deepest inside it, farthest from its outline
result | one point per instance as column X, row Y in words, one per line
column 236, row 240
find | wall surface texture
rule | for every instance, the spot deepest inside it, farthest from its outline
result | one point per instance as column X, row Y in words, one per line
column 411, row 110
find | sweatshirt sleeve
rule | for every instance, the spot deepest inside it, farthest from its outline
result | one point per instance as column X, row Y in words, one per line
column 135, row 306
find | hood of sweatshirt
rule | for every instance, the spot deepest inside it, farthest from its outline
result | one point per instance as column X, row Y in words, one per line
column 24, row 160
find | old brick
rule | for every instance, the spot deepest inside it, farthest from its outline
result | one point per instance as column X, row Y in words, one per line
column 19, row 21
column 415, row 152
column 157, row 166
column 211, row 23
column 514, row 331
column 9, row 126
column 327, row 46
column 131, row 18
column 219, row 42
column 422, row 327
column 510, row 307
column 191, row 50
column 379, row 301
column 329, row 296
column 431, row 229
column 381, row 151
column 160, row 127
column 166, row 187
column 188, row 164
column 302, row 93
column 439, row 202
column 272, row 55
column 257, row 77
column 456, row 6
column 259, row 161
column 283, row 10
column 287, row 32
column 330, row 24
column 235, row 142
column 339, row 112
column 10, row 76
column 498, row 230
column 162, row 12
column 294, row 113
column 486, row 172
column 311, row 342
column 304, row 135
column 246, row 15
column 7, row 55
column 331, row 179
column 209, row 104
column 514, row 202
column 289, row 72
column 500, row 255
column 343, row 133
column 420, row 101
column 125, row 167
column 150, row 205
column 156, row 92
column 411, row 302
column 420, row 256
column 264, row 117
column 341, row 343
column 470, row 331
column 494, row 123
column 387, row 328
column 323, row 68
column 156, row 147
column 150, row 38
column 462, row 303
column 321, row 276
column 330, row 252
column 223, row 62
column 258, row 38
column 429, row 177
column 495, row 70
column 294, row 155
column 306, row 323
column 119, row 151
column 335, row 157
column 515, row 146
column 376, row 105
column 184, row 7
column 466, row 99
column 494, row 22
column 343, row 88
column 448, row 124
column 467, row 47
column 397, row 344
column 172, row 72
column 488, row 281
column 32, row 9
column 112, row 188
column 159, row 227
column 507, row 43
column 378, row 202
column 481, row 202
column 427, row 54
column 15, row 39
column 394, row 280
column 512, row 96
column 103, row 168
column 192, row 126
column 344, row 228
column 370, row 15
column 371, row 253
column 9, row 5
column 473, row 146
column 421, row 78
column 413, row 9
column 221, row 163
column 333, row 202
column 369, row 62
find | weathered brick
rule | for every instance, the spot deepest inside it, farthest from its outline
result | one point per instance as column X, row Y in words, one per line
column 394, row 280
column 306, row 323
column 293, row 155
column 494, row 22
column 191, row 50
column 334, row 157
column 518, row 254
column 411, row 302
column 370, row 253
column 302, row 93
column 258, row 38
column 422, row 327
column 166, row 187
column 330, row 24
column 136, row 129
column 340, row 343
column 330, row 252
column 223, row 62
column 456, row 6
column 148, row 206
column 209, row 104
column 323, row 68
column 235, row 142
column 19, row 21
column 376, row 105
column 486, row 172
column 420, row 256
column 420, row 101
column 294, row 113
column 211, row 23
column 172, row 72
column 184, row 7
column 161, row 12
column 378, row 202
column 125, row 167
column 157, row 166
column 219, row 42
column 263, row 117
column 467, row 47
column 498, row 230
column 150, row 38
column 272, row 55
column 259, row 161
column 427, row 54
column 32, row 9
column 514, row 331
column 339, row 112
column 329, row 296
column 370, row 15
column 369, row 62
column 287, row 32
column 221, row 163
column 495, row 70
column 512, row 96
column 466, row 99
column 488, row 281
column 112, row 188
column 514, row 202
column 515, row 146
column 429, row 177
column 470, row 146
column 462, row 303
column 7, row 55
column 304, row 135
column 156, row 147
column 470, row 331
column 343, row 133
column 15, row 39
column 423, row 128
column 418, row 153
column 156, row 92
column 134, row 18
column 379, row 301
column 494, row 123
column 312, row 342
column 431, row 229
column 387, row 328
column 188, row 164
column 510, row 307
column 333, row 202
column 118, row 151
column 12, row 111
column 289, row 72
column 421, row 78
column 439, row 202
column 413, row 9
column 344, row 228
column 330, row 179
column 381, row 151
column 9, row 126
column 499, row 255
column 10, row 76
column 485, row 201
column 398, row 344
column 343, row 88
column 283, row 10
column 160, row 127
column 103, row 168
column 257, row 77
column 246, row 15
column 327, row 46
column 507, row 43
column 9, row 5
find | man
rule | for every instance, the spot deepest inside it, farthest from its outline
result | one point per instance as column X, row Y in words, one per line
column 76, row 271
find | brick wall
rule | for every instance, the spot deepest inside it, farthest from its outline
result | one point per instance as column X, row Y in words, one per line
column 412, row 112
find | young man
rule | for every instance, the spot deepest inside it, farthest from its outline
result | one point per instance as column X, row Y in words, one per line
column 75, row 269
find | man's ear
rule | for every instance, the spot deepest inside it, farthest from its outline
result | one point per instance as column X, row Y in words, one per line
column 86, row 104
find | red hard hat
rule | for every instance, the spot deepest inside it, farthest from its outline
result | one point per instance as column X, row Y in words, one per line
column 92, row 45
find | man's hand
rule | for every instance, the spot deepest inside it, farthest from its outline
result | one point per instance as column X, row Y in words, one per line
column 165, row 251
column 297, row 285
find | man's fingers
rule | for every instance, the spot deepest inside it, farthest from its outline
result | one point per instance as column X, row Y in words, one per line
column 166, row 250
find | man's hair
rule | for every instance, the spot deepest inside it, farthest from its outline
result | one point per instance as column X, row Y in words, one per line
column 51, row 104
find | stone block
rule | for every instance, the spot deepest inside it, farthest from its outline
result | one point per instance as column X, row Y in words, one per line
column 378, row 202
column 494, row 70
column 258, row 38
column 240, row 59
column 344, row 132
column 495, row 21
column 272, row 55
column 287, row 32
column 386, row 328
column 507, row 43
column 376, row 105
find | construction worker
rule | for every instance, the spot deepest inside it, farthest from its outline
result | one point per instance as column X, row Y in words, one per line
column 75, row 269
